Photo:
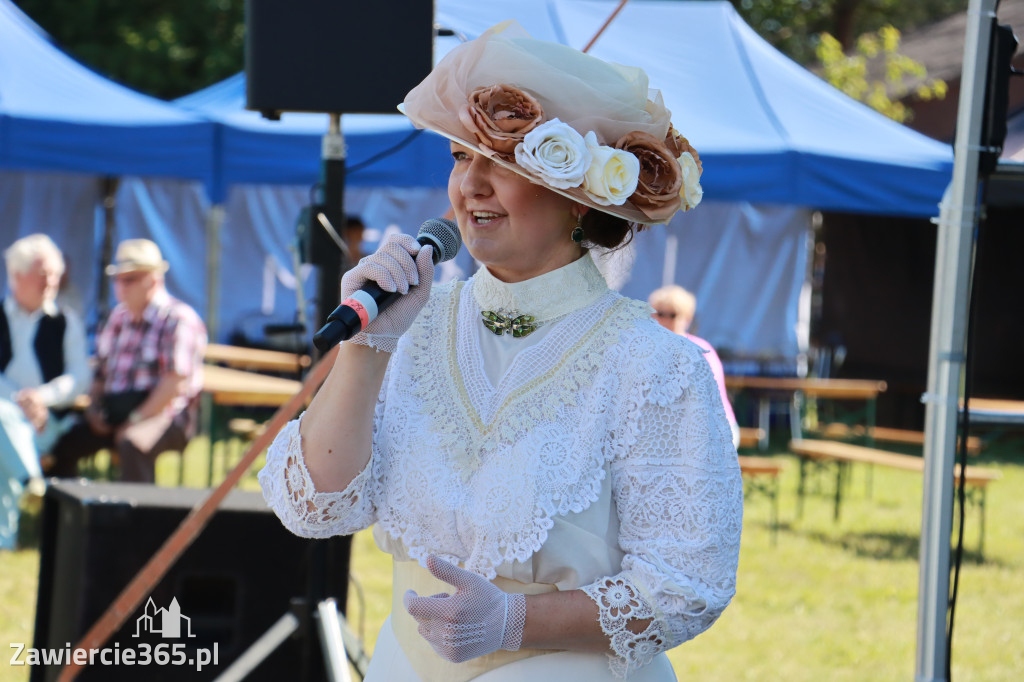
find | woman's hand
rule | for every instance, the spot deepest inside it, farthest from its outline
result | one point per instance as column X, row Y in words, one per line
column 477, row 619
column 402, row 265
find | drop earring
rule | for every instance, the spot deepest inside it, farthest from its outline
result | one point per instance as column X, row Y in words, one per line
column 577, row 232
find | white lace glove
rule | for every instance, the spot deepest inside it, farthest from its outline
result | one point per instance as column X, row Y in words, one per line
column 478, row 619
column 394, row 268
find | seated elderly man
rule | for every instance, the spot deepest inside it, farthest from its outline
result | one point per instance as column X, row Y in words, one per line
column 43, row 368
column 148, row 374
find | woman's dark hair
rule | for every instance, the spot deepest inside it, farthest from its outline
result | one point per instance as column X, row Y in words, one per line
column 604, row 229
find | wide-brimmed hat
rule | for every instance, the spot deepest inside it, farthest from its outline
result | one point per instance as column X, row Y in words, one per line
column 137, row 254
column 588, row 129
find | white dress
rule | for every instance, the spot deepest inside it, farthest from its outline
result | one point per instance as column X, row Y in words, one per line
column 593, row 454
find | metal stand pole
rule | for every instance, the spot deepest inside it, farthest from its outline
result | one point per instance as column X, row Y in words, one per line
column 946, row 354
column 336, row 642
column 327, row 243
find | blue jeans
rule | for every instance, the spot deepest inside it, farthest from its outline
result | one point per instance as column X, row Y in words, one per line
column 20, row 446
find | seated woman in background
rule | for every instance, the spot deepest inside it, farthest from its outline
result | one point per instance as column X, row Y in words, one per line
column 674, row 309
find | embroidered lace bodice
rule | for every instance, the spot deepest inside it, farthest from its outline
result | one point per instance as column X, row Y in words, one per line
column 593, row 454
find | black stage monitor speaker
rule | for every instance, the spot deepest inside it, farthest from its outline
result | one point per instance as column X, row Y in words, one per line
column 235, row 581
column 346, row 56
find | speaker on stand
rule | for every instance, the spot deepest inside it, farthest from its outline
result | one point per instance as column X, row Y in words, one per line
column 230, row 585
column 331, row 57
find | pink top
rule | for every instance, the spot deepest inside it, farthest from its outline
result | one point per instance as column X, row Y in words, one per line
column 717, row 370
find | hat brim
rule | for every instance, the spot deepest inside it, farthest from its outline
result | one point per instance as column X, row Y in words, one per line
column 625, row 211
column 115, row 269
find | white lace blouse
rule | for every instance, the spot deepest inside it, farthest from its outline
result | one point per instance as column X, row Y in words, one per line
column 592, row 454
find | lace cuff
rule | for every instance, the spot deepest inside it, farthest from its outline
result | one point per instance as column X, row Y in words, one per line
column 382, row 343
column 619, row 601
column 289, row 491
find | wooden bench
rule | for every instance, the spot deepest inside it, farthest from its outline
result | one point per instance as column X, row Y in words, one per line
column 256, row 359
column 761, row 476
column 795, row 389
column 976, row 479
column 889, row 435
column 750, row 437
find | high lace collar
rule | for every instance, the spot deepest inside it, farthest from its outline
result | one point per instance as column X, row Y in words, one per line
column 546, row 297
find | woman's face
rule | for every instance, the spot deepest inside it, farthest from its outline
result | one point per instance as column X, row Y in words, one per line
column 517, row 229
column 669, row 318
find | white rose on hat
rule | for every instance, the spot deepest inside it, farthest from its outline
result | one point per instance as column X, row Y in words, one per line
column 613, row 174
column 555, row 152
column 692, row 192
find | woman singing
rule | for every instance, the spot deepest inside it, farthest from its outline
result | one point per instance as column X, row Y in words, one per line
column 551, row 471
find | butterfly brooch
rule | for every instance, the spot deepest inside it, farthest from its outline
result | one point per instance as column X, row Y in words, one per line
column 516, row 325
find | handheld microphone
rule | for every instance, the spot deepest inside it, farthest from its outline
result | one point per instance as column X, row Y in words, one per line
column 363, row 306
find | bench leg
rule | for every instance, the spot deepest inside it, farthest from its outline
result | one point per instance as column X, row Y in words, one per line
column 764, row 416
column 840, row 466
column 981, row 539
column 800, row 488
column 775, row 510
column 795, row 429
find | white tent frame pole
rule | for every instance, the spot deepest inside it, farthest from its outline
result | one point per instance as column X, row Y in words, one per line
column 214, row 223
column 958, row 217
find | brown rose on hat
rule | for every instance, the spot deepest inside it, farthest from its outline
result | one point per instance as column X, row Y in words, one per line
column 135, row 255
column 588, row 129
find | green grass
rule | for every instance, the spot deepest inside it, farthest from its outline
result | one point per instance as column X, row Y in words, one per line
column 832, row 601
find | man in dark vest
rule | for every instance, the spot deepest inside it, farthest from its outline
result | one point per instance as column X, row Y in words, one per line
column 43, row 368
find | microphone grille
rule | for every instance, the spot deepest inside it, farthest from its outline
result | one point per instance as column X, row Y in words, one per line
column 444, row 235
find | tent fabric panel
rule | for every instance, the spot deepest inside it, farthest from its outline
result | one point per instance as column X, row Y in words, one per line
column 171, row 213
column 58, row 115
column 178, row 151
column 67, row 208
column 41, row 81
column 856, row 186
column 265, row 158
column 747, row 279
column 758, row 178
column 692, row 58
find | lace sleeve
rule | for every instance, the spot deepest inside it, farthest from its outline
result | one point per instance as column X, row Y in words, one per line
column 289, row 491
column 679, row 497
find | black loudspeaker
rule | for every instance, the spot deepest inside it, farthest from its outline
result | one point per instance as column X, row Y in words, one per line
column 997, row 93
column 226, row 590
column 349, row 56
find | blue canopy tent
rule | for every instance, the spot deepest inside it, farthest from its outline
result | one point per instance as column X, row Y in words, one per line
column 58, row 116
column 254, row 150
column 63, row 128
column 768, row 132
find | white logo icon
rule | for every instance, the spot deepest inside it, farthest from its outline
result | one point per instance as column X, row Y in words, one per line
column 165, row 622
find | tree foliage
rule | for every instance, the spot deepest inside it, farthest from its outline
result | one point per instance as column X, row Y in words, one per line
column 850, row 73
column 793, row 26
column 165, row 49
column 169, row 49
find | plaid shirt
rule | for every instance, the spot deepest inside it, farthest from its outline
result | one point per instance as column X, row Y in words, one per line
column 136, row 355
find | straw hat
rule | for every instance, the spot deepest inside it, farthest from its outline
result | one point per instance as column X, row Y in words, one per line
column 588, row 129
column 137, row 254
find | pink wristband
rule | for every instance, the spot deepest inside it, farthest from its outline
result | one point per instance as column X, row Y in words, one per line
column 364, row 317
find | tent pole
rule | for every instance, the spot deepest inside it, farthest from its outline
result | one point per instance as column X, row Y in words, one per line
column 214, row 222
column 947, row 344
column 109, row 186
